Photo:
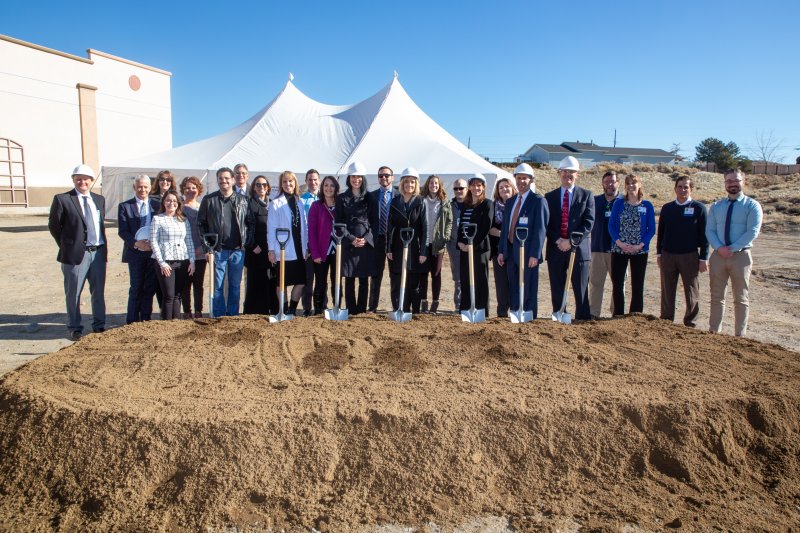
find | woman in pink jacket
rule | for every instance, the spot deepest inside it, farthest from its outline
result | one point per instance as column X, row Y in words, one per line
column 321, row 243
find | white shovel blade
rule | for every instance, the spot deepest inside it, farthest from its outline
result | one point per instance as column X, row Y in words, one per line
column 473, row 317
column 336, row 314
column 399, row 316
column 280, row 317
column 520, row 317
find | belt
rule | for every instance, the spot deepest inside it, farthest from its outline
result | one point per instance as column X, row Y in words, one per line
column 94, row 248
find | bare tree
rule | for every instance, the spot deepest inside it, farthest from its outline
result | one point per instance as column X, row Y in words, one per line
column 768, row 148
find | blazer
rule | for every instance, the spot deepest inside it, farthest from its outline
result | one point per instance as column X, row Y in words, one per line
column 580, row 219
column 647, row 221
column 537, row 213
column 257, row 222
column 68, row 227
column 320, row 226
column 412, row 217
column 280, row 216
column 129, row 222
column 482, row 215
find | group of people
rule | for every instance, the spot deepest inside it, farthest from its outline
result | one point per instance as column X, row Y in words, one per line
column 167, row 233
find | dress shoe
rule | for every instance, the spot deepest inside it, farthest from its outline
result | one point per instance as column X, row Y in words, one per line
column 98, row 330
column 198, row 315
column 435, row 307
column 74, row 335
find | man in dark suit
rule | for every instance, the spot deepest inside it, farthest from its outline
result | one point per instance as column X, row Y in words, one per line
column 380, row 200
column 524, row 210
column 77, row 225
column 133, row 215
column 571, row 210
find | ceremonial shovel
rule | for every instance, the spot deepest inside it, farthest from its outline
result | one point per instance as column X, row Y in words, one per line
column 521, row 316
column 471, row 315
column 562, row 315
column 336, row 313
column 210, row 241
column 282, row 234
column 406, row 234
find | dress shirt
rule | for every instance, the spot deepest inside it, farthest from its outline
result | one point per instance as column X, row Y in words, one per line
column 144, row 213
column 307, row 198
column 745, row 223
column 571, row 195
column 95, row 217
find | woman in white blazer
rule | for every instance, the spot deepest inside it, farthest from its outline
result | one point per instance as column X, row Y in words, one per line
column 286, row 212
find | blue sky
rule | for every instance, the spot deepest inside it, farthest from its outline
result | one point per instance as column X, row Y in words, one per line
column 504, row 75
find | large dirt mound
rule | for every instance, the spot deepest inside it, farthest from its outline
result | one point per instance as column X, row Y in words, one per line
column 342, row 425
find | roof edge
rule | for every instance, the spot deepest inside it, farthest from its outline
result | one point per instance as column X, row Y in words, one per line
column 45, row 49
column 91, row 51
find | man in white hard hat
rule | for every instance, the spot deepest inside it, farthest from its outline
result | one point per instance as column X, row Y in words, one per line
column 379, row 203
column 132, row 216
column 571, row 212
column 528, row 210
column 77, row 224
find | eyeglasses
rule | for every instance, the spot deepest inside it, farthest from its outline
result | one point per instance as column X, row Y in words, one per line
column 385, row 175
column 262, row 184
column 170, row 202
column 459, row 188
column 165, row 179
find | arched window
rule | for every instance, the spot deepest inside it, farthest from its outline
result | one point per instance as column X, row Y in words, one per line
column 13, row 187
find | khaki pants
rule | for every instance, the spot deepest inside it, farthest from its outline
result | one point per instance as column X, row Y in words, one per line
column 598, row 270
column 686, row 266
column 737, row 268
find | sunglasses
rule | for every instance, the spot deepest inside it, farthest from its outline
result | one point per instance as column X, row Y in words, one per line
column 384, row 175
column 459, row 188
column 262, row 184
column 165, row 179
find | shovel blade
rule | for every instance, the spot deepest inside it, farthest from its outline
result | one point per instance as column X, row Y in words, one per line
column 280, row 317
column 563, row 317
column 473, row 316
column 336, row 314
column 520, row 317
column 400, row 316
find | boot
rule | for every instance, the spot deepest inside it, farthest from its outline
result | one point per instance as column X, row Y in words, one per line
column 424, row 306
column 435, row 307
column 198, row 314
column 293, row 307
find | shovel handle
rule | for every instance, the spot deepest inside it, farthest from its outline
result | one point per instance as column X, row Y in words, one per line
column 575, row 238
column 521, row 234
column 406, row 236
column 210, row 241
column 338, row 232
column 469, row 231
column 282, row 234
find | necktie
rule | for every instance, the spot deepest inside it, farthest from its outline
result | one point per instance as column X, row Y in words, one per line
column 91, row 233
column 565, row 214
column 384, row 212
column 514, row 218
column 728, row 241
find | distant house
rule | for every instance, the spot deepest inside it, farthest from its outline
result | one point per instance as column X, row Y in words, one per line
column 590, row 154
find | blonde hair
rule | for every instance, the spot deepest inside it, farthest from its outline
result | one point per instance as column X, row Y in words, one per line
column 288, row 174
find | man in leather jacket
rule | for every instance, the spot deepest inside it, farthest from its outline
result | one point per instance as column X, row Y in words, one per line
column 225, row 213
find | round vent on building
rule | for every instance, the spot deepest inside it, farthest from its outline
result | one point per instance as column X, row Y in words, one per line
column 134, row 82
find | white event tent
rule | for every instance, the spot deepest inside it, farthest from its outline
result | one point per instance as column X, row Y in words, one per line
column 294, row 132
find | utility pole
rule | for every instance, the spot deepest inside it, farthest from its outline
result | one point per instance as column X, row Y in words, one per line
column 615, row 137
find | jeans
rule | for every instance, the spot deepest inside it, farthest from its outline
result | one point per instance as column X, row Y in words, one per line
column 232, row 263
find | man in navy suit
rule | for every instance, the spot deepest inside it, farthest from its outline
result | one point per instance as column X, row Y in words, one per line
column 571, row 210
column 379, row 217
column 133, row 215
column 525, row 210
column 77, row 224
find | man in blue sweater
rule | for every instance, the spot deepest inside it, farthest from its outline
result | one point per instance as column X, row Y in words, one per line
column 733, row 225
column 682, row 250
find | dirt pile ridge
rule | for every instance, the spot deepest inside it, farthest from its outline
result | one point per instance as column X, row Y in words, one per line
column 344, row 425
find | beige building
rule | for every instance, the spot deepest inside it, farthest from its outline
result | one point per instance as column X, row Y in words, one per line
column 58, row 110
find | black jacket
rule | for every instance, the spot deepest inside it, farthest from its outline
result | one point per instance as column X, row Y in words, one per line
column 257, row 222
column 68, row 228
column 411, row 215
column 357, row 214
column 209, row 216
column 482, row 215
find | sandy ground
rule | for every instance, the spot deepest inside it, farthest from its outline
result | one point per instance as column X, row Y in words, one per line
column 32, row 313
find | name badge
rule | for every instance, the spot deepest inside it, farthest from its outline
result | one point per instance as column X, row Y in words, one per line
column 642, row 209
column 608, row 214
column 689, row 211
column 523, row 221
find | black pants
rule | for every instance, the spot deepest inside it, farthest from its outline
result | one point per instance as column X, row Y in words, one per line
column 171, row 287
column 356, row 306
column 308, row 288
column 380, row 267
column 619, row 264
column 321, row 272
column 260, row 297
column 481, row 281
column 194, row 285
column 501, row 288
column 411, row 299
column 557, row 266
column 436, row 278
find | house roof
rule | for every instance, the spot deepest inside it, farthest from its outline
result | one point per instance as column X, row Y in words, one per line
column 584, row 147
column 655, row 152
column 579, row 147
column 553, row 148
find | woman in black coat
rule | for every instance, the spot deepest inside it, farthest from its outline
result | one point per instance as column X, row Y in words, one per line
column 407, row 211
column 260, row 298
column 358, row 248
column 476, row 210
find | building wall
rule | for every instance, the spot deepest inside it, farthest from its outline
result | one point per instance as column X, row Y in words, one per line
column 40, row 109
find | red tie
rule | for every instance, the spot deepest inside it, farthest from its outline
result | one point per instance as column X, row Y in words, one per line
column 565, row 214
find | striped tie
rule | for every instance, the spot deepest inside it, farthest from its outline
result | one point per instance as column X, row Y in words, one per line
column 565, row 214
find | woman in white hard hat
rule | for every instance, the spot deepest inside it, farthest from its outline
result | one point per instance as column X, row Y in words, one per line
column 504, row 189
column 286, row 211
column 358, row 246
column 439, row 226
column 477, row 210
column 407, row 211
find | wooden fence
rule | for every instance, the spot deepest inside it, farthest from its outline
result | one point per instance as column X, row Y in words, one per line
column 762, row 168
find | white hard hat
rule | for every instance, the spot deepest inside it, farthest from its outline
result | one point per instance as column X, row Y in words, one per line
column 357, row 168
column 524, row 168
column 410, row 171
column 83, row 170
column 569, row 163
column 478, row 177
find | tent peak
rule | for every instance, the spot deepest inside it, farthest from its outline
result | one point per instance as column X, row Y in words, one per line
column 291, row 77
column 395, row 74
